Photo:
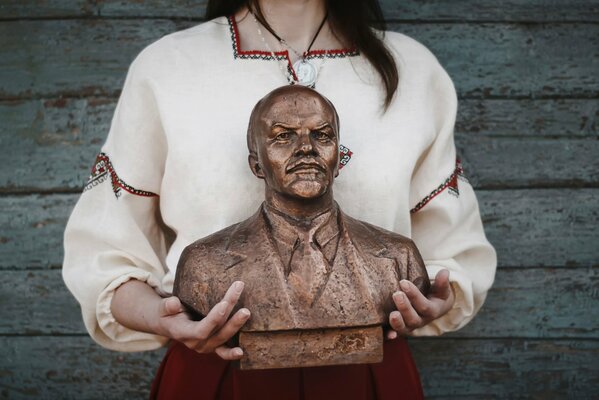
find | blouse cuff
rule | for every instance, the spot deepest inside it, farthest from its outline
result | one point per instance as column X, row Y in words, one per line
column 112, row 334
column 461, row 312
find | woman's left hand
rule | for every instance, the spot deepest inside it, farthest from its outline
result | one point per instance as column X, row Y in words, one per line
column 414, row 310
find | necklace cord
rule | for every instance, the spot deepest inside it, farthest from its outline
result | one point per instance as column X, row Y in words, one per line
column 302, row 64
column 317, row 33
column 281, row 40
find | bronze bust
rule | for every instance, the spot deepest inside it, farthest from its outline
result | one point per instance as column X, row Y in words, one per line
column 318, row 283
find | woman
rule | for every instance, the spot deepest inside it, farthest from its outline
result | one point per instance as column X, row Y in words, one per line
column 174, row 158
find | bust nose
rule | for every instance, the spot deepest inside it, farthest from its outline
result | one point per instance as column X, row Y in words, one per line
column 304, row 145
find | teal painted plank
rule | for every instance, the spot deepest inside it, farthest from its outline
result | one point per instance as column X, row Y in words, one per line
column 529, row 228
column 79, row 57
column 508, row 369
column 552, row 227
column 431, row 10
column 507, row 10
column 521, row 118
column 38, row 303
column 73, row 367
column 515, row 60
column 528, row 162
column 518, row 305
column 539, row 303
column 31, row 229
column 46, row 8
column 51, row 144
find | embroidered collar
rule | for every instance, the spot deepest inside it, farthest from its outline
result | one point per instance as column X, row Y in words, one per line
column 282, row 54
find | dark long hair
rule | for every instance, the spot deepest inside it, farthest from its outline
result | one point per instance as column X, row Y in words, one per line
column 351, row 20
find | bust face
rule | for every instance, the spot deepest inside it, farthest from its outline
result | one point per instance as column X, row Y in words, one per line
column 297, row 143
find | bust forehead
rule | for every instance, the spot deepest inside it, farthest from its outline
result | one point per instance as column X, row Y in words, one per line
column 281, row 104
column 294, row 103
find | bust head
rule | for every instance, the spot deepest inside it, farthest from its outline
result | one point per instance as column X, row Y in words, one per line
column 293, row 140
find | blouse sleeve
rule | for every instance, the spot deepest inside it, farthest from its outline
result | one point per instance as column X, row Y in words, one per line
column 446, row 224
column 114, row 233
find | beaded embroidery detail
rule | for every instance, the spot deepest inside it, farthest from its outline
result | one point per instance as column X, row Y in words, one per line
column 451, row 184
column 344, row 155
column 103, row 170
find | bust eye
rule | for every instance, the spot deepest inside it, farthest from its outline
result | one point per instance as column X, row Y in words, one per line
column 321, row 136
column 283, row 136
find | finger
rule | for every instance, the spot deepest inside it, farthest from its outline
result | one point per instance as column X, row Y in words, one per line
column 229, row 329
column 415, row 298
column 170, row 306
column 441, row 286
column 410, row 317
column 397, row 323
column 391, row 334
column 227, row 353
column 212, row 322
column 218, row 315
column 232, row 296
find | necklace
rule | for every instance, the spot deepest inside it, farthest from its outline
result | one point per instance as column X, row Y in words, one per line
column 306, row 72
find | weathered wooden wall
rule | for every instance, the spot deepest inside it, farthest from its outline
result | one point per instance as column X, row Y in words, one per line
column 527, row 72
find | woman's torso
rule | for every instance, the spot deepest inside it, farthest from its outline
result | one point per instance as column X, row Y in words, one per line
column 207, row 184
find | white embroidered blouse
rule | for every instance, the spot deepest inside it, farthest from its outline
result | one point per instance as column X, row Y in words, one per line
column 176, row 157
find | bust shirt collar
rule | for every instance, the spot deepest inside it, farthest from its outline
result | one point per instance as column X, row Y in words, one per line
column 287, row 231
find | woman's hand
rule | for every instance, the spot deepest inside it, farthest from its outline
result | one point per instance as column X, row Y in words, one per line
column 211, row 333
column 137, row 306
column 414, row 310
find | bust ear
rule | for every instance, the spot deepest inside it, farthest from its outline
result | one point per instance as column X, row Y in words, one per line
column 255, row 166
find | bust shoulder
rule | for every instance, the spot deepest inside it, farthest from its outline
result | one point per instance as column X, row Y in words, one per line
column 388, row 238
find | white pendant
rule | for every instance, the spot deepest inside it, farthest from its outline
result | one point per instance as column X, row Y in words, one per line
column 306, row 72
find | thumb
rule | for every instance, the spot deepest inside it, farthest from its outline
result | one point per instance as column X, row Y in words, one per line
column 441, row 287
column 170, row 306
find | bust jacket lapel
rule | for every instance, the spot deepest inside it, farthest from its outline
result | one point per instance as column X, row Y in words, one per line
column 251, row 250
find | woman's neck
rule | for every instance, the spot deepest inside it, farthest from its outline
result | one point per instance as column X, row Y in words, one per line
column 295, row 21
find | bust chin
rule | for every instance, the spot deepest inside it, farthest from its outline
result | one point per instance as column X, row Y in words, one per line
column 318, row 282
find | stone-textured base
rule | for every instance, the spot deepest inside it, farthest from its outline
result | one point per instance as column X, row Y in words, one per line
column 310, row 348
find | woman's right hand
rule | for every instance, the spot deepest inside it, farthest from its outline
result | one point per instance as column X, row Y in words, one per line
column 137, row 306
column 211, row 333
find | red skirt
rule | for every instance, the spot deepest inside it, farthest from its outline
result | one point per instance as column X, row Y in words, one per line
column 185, row 374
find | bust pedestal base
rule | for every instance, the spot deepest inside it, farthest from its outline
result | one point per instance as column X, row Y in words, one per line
column 311, row 348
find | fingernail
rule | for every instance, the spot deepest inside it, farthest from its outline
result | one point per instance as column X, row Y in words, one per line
column 398, row 297
column 395, row 316
column 237, row 352
column 405, row 285
column 392, row 335
column 245, row 312
column 239, row 287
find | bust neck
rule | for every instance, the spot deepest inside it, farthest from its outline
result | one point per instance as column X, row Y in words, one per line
column 298, row 208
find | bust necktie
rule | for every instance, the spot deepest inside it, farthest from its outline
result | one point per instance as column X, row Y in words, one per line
column 308, row 268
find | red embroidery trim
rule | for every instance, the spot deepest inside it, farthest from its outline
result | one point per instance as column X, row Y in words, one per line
column 102, row 170
column 344, row 156
column 450, row 183
column 283, row 54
